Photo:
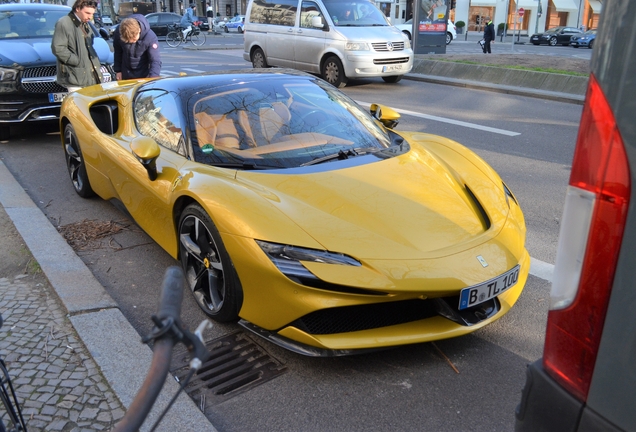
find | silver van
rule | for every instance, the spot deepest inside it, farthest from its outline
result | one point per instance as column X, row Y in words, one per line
column 337, row 39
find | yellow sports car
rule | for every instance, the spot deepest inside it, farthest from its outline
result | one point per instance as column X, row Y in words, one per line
column 295, row 211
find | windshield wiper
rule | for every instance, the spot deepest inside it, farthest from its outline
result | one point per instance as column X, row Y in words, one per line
column 342, row 155
column 248, row 166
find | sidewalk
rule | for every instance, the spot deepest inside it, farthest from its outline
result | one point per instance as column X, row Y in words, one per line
column 74, row 359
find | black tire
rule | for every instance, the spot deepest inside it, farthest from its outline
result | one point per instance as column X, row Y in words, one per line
column 5, row 133
column 240, row 29
column 535, row 43
column 198, row 39
column 392, row 79
column 226, row 29
column 590, row 44
column 449, row 38
column 552, row 41
column 75, row 163
column 333, row 72
column 207, row 266
column 259, row 61
column 173, row 39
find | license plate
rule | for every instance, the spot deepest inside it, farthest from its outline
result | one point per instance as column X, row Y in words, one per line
column 391, row 68
column 477, row 294
column 56, row 97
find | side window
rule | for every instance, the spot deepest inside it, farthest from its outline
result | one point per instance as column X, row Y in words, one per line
column 276, row 12
column 157, row 116
column 153, row 19
column 309, row 10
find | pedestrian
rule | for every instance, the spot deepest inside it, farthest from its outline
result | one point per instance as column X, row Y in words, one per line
column 136, row 49
column 78, row 64
column 489, row 35
column 187, row 20
column 209, row 12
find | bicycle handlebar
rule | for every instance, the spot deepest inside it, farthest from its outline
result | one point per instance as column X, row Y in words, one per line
column 167, row 332
column 171, row 294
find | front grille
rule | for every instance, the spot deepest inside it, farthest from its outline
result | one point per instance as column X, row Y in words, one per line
column 388, row 46
column 41, row 80
column 391, row 61
column 364, row 317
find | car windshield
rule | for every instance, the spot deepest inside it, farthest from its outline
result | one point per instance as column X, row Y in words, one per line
column 355, row 13
column 28, row 24
column 554, row 30
column 281, row 123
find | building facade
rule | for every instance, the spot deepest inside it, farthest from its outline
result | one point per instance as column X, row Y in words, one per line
column 538, row 15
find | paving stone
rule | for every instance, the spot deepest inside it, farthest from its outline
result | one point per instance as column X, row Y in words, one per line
column 58, row 384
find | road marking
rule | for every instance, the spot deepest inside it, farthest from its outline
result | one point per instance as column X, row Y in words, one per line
column 192, row 70
column 541, row 269
column 450, row 121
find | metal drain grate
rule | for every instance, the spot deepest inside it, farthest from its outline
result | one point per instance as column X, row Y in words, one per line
column 237, row 364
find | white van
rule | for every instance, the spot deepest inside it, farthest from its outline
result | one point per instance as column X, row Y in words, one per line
column 337, row 39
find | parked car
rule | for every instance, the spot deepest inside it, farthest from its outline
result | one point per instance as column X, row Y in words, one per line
column 159, row 21
column 295, row 210
column 555, row 36
column 106, row 20
column 584, row 40
column 407, row 29
column 203, row 23
column 585, row 380
column 28, row 91
column 236, row 24
column 338, row 39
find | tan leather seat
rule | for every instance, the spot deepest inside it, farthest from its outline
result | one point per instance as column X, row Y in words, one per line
column 274, row 121
column 221, row 131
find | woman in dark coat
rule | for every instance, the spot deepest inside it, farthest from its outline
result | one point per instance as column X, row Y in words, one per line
column 136, row 49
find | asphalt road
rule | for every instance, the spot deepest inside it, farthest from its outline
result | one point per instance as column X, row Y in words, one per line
column 468, row 383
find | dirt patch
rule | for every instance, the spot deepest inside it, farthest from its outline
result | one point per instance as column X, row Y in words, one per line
column 525, row 60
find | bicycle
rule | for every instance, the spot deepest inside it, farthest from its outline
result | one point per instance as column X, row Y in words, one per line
column 10, row 401
column 168, row 331
column 174, row 38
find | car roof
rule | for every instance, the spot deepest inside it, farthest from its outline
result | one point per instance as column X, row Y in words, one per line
column 188, row 85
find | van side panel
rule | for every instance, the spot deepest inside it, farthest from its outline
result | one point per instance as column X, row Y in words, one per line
column 271, row 26
column 312, row 40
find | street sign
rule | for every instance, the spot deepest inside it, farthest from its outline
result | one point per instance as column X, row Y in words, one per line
column 521, row 11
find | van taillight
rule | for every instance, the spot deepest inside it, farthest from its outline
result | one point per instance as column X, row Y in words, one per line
column 589, row 241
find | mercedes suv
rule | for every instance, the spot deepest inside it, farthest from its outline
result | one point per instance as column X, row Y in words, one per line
column 28, row 88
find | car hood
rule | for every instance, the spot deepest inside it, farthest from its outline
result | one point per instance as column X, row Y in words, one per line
column 410, row 206
column 34, row 52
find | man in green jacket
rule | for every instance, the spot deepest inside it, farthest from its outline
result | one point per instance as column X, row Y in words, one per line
column 77, row 62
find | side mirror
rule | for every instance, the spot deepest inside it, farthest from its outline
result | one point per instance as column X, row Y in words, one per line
column 146, row 151
column 385, row 115
column 104, row 33
column 317, row 22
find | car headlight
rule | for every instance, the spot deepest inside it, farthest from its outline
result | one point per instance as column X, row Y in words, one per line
column 356, row 46
column 545, row 36
column 407, row 44
column 288, row 258
column 7, row 74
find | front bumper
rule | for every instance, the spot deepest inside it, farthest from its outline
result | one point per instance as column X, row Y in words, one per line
column 360, row 64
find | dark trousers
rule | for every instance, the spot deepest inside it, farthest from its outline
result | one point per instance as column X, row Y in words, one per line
column 487, row 46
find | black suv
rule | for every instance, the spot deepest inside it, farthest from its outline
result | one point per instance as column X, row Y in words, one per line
column 586, row 380
column 28, row 91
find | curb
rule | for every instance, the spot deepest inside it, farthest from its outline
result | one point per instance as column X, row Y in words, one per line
column 110, row 339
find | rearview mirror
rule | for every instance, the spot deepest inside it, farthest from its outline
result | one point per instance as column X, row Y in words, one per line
column 146, row 151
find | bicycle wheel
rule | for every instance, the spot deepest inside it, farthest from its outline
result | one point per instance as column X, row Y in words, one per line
column 198, row 39
column 173, row 39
